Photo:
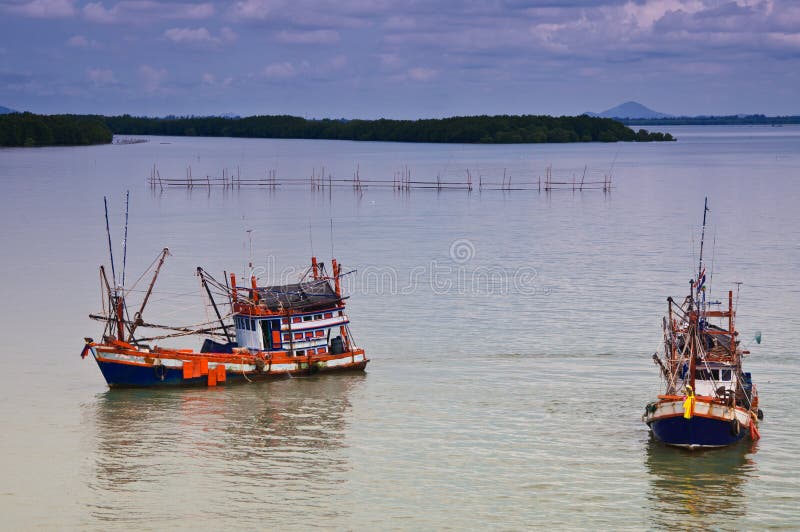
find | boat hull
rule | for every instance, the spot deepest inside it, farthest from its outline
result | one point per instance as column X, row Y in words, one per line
column 712, row 425
column 126, row 368
column 697, row 432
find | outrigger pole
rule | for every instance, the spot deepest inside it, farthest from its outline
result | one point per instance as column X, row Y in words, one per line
column 201, row 274
column 137, row 318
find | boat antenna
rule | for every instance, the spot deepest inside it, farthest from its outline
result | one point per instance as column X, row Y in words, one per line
column 110, row 249
column 332, row 238
column 125, row 237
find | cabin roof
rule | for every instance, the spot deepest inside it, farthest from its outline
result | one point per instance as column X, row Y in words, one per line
column 305, row 296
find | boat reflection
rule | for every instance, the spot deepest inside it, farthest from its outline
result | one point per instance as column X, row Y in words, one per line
column 697, row 488
column 246, row 443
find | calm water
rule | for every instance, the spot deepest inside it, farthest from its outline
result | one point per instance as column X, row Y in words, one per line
column 510, row 335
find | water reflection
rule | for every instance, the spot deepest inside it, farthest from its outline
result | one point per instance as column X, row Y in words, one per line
column 158, row 452
column 698, row 488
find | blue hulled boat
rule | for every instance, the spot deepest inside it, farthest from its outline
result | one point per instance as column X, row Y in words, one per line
column 708, row 400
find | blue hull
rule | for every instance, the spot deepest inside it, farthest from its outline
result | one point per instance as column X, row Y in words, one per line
column 697, row 431
column 127, row 375
column 134, row 376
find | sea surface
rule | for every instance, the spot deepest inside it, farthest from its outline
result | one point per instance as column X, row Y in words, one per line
column 510, row 334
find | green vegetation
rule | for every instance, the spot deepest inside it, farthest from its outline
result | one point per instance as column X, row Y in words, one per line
column 713, row 120
column 466, row 129
column 27, row 129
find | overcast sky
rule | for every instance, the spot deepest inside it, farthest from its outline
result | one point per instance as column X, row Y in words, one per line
column 399, row 58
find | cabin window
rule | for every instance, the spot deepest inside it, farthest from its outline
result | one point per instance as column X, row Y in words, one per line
column 308, row 318
column 252, row 325
column 341, row 313
column 287, row 337
column 317, row 316
column 298, row 336
column 702, row 374
column 322, row 350
column 296, row 320
column 300, row 353
column 726, row 374
column 309, row 334
column 285, row 321
column 715, row 374
column 320, row 333
column 328, row 315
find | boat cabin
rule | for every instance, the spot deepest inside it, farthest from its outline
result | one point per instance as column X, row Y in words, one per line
column 303, row 319
column 715, row 380
column 310, row 333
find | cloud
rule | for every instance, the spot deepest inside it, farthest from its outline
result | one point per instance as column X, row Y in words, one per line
column 142, row 11
column 152, row 77
column 199, row 36
column 280, row 71
column 79, row 41
column 308, row 37
column 338, row 62
column 421, row 73
column 325, row 14
column 44, row 8
column 210, row 80
column 101, row 77
column 228, row 35
column 188, row 35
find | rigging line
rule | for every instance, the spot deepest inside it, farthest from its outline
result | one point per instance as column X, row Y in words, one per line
column 332, row 255
column 110, row 249
column 125, row 237
column 713, row 255
column 131, row 289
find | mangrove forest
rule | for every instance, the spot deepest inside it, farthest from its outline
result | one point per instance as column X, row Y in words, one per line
column 36, row 130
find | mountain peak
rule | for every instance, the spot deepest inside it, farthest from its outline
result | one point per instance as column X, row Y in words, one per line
column 630, row 110
column 6, row 110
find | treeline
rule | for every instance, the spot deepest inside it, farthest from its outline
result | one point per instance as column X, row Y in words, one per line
column 732, row 120
column 27, row 129
column 502, row 129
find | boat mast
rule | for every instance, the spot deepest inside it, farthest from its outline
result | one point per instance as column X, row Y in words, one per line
column 125, row 238
column 702, row 240
column 117, row 302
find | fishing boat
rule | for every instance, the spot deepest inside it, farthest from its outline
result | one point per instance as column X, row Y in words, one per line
column 260, row 332
column 708, row 399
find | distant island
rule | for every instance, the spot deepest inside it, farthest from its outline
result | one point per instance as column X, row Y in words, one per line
column 6, row 110
column 503, row 129
column 26, row 129
column 732, row 120
column 30, row 130
column 636, row 114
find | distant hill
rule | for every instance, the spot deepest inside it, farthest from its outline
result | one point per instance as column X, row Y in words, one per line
column 630, row 110
column 6, row 110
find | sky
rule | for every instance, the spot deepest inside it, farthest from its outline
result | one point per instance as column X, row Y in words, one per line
column 399, row 58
